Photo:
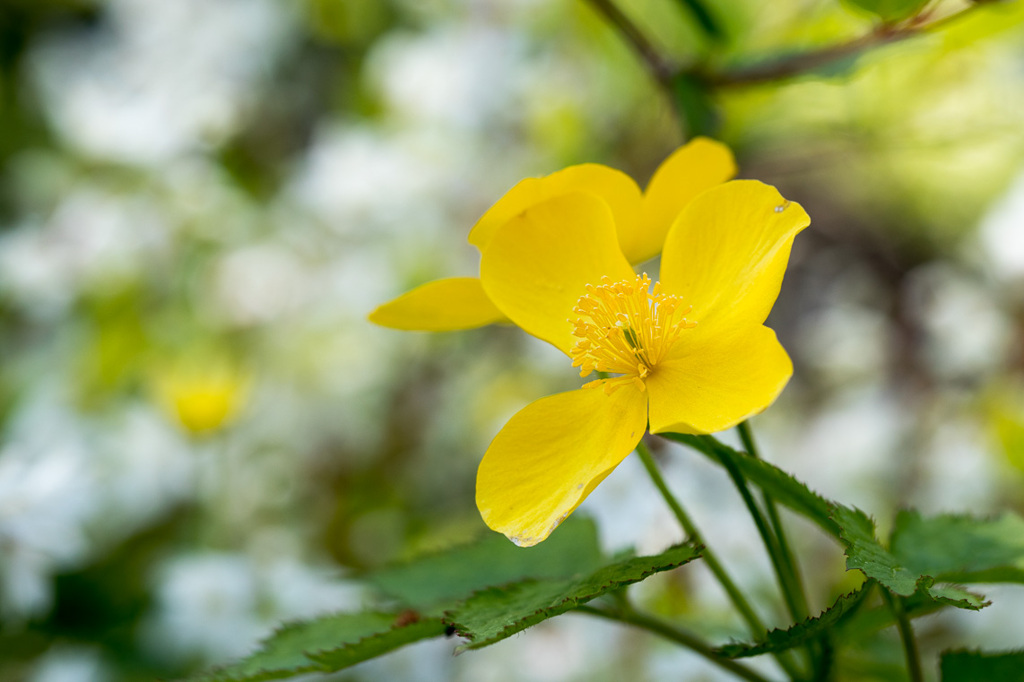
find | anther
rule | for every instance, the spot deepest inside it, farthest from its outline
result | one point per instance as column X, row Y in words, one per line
column 625, row 328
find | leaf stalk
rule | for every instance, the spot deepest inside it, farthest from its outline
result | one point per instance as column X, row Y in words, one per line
column 687, row 639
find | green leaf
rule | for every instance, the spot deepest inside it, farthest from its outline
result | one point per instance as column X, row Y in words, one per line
column 954, row 595
column 451, row 575
column 796, row 635
column 890, row 10
column 424, row 588
column 325, row 644
column 961, row 549
column 915, row 562
column 494, row 614
column 380, row 643
column 971, row 666
column 864, row 552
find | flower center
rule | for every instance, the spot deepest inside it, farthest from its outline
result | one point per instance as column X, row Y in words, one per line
column 625, row 328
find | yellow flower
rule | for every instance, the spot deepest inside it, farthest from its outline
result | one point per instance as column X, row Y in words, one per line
column 202, row 398
column 689, row 354
column 641, row 222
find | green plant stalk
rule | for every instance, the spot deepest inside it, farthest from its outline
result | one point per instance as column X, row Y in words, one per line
column 906, row 635
column 769, row 539
column 783, row 559
column 792, row 569
column 757, row 627
column 693, row 534
column 690, row 641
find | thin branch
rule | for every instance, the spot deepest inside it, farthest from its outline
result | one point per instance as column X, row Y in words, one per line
column 793, row 65
column 659, row 66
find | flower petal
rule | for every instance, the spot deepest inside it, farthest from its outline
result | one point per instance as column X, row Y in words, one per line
column 728, row 250
column 537, row 265
column 552, row 454
column 614, row 187
column 698, row 165
column 711, row 382
column 441, row 305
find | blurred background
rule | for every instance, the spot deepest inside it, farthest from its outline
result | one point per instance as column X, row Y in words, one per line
column 201, row 200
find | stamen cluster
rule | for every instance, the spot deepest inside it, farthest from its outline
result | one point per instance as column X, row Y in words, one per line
column 625, row 328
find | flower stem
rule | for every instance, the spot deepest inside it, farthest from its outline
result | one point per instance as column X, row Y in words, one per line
column 906, row 635
column 770, row 543
column 757, row 627
column 789, row 572
column 689, row 640
column 752, row 619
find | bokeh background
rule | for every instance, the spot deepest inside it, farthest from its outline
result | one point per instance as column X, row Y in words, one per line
column 201, row 200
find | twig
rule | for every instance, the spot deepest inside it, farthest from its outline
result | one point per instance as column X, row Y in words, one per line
column 657, row 64
column 794, row 65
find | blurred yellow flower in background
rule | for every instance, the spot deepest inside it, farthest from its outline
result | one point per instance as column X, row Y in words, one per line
column 202, row 396
column 1004, row 408
column 641, row 221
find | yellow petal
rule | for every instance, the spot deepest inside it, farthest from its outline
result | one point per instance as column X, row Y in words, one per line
column 552, row 454
column 711, row 382
column 614, row 187
column 441, row 305
column 698, row 165
column 728, row 250
column 537, row 265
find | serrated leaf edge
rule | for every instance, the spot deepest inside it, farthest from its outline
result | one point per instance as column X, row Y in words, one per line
column 217, row 674
column 325, row 666
column 528, row 621
column 754, row 649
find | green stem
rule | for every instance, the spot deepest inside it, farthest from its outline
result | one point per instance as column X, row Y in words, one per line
column 677, row 635
column 757, row 627
column 793, row 587
column 906, row 635
column 770, row 542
